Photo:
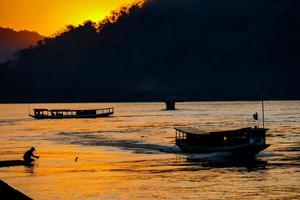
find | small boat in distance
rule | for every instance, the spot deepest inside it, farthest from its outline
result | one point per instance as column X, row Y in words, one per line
column 239, row 142
column 68, row 113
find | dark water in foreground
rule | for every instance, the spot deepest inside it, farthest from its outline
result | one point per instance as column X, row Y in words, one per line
column 132, row 154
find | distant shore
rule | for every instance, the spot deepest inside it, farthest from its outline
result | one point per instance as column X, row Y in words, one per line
column 141, row 101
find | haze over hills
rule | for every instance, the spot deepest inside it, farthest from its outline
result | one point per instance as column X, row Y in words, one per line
column 12, row 41
column 186, row 50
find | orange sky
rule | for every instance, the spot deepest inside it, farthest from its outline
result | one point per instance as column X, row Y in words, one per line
column 49, row 16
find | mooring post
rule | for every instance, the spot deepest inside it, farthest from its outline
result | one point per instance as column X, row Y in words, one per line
column 170, row 105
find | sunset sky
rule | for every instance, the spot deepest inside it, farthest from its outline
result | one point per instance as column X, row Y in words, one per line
column 49, row 16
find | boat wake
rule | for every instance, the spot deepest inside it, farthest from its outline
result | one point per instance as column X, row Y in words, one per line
column 10, row 122
column 216, row 155
column 138, row 146
column 226, row 160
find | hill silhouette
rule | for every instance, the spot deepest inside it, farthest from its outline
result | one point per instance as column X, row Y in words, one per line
column 186, row 50
column 12, row 41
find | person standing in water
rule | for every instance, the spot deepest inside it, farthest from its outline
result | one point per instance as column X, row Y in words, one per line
column 29, row 154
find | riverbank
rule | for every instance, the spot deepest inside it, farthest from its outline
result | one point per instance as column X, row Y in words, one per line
column 10, row 193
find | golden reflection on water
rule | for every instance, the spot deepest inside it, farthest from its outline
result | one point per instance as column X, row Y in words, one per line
column 132, row 154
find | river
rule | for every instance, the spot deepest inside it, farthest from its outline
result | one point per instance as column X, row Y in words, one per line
column 132, row 154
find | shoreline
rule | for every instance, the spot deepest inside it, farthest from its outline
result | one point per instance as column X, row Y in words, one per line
column 130, row 102
column 9, row 192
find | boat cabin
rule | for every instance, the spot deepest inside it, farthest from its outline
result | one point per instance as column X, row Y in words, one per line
column 40, row 111
column 72, row 112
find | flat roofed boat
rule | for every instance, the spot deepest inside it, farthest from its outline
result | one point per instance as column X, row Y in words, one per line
column 10, row 163
column 246, row 141
column 68, row 113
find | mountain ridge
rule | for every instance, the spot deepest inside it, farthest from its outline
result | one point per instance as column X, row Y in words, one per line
column 12, row 41
column 187, row 50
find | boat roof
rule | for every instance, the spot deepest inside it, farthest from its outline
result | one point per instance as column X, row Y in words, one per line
column 60, row 110
column 193, row 130
column 40, row 109
column 54, row 110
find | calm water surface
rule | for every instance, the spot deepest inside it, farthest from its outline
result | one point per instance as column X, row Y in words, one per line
column 132, row 154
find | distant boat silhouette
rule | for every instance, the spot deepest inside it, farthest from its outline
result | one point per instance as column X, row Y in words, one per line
column 68, row 113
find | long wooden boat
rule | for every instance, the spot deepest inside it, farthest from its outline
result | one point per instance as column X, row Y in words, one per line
column 10, row 163
column 68, row 113
column 240, row 142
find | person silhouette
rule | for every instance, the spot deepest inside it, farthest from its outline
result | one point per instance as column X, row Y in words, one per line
column 29, row 154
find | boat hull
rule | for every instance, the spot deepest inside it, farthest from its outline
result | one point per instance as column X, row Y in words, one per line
column 239, row 150
column 10, row 163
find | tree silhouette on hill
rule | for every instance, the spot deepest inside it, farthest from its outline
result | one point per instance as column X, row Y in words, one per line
column 189, row 50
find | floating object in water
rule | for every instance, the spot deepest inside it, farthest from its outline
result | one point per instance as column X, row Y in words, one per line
column 170, row 105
